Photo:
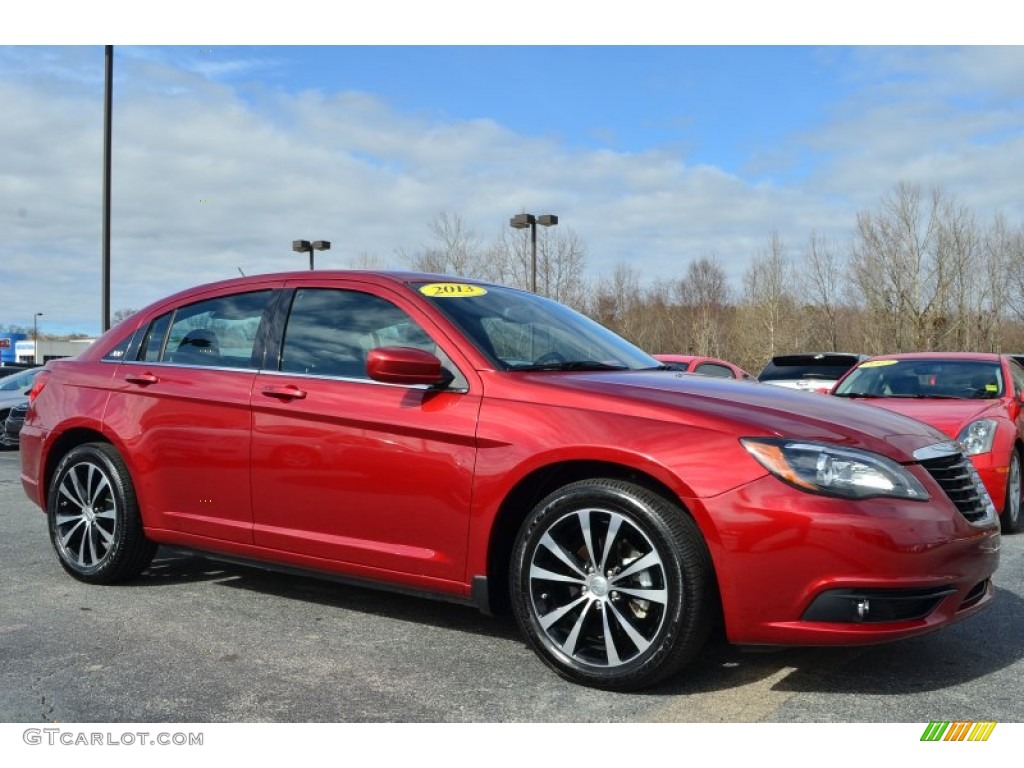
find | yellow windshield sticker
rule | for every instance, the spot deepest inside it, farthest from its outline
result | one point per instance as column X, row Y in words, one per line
column 878, row 363
column 452, row 290
column 991, row 387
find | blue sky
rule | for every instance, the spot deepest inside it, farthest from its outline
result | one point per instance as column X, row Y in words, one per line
column 653, row 155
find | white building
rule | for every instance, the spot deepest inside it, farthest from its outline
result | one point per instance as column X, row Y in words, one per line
column 25, row 350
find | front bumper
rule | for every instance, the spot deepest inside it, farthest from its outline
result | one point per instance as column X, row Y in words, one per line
column 796, row 569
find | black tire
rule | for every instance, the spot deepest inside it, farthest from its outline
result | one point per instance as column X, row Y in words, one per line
column 1009, row 520
column 94, row 518
column 612, row 584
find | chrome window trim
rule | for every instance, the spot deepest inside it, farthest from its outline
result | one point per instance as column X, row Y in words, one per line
column 167, row 364
column 361, row 380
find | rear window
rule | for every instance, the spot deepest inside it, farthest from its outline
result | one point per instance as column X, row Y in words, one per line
column 823, row 366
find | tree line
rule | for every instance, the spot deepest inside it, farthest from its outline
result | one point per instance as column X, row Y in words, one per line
column 920, row 272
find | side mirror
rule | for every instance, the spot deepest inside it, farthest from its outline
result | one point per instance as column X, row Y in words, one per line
column 405, row 365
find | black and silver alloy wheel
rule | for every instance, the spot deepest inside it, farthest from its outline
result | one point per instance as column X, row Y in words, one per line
column 599, row 607
column 94, row 519
column 85, row 520
column 610, row 584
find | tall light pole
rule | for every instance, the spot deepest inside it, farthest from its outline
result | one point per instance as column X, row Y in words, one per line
column 524, row 220
column 108, row 99
column 301, row 246
column 35, row 338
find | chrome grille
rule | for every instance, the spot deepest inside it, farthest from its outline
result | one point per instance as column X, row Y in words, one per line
column 956, row 474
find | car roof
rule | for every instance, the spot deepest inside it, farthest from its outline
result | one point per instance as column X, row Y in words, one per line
column 987, row 356
column 400, row 277
column 813, row 356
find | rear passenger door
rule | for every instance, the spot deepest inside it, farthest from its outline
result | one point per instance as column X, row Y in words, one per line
column 181, row 407
column 375, row 478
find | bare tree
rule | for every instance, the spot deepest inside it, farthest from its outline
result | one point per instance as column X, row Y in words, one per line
column 121, row 314
column 769, row 320
column 371, row 261
column 702, row 317
column 899, row 272
column 561, row 263
column 822, row 285
column 617, row 302
column 454, row 251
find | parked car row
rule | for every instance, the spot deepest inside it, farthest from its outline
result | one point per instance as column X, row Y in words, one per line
column 486, row 445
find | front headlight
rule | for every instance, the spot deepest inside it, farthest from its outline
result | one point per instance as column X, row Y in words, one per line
column 834, row 471
column 977, row 436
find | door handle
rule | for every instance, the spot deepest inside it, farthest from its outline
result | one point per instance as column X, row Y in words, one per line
column 288, row 392
column 145, row 379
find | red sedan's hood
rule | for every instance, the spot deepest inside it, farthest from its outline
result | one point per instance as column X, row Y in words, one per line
column 947, row 416
column 741, row 407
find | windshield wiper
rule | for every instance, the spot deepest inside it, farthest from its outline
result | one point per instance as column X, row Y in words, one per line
column 853, row 394
column 571, row 365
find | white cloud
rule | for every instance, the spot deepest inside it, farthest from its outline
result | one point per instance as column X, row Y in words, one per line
column 210, row 177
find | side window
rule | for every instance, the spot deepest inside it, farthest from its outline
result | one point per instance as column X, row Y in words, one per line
column 330, row 331
column 1017, row 372
column 714, row 369
column 153, row 342
column 117, row 353
column 219, row 332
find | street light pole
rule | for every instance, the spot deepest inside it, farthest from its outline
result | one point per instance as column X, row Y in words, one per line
column 35, row 338
column 524, row 220
column 301, row 246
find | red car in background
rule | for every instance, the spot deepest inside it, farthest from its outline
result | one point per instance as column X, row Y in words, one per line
column 489, row 446
column 706, row 366
column 974, row 398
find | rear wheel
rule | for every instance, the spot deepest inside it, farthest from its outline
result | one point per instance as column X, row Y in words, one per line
column 94, row 517
column 1010, row 519
column 612, row 584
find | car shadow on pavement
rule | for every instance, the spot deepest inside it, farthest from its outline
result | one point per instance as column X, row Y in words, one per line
column 978, row 646
column 172, row 566
column 973, row 648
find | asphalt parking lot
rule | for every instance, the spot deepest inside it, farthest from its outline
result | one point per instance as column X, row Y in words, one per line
column 194, row 641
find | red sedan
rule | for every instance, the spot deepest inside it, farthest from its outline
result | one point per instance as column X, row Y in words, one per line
column 974, row 398
column 486, row 445
column 706, row 366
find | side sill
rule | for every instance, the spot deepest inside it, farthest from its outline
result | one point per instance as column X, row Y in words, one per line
column 312, row 573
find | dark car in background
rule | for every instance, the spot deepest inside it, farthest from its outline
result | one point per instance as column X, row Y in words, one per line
column 14, row 391
column 9, row 369
column 809, row 371
column 11, row 427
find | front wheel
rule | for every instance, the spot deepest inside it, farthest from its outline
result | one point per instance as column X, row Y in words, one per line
column 612, row 584
column 94, row 517
column 1010, row 519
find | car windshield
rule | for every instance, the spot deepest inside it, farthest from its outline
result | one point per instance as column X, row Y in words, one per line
column 919, row 378
column 520, row 331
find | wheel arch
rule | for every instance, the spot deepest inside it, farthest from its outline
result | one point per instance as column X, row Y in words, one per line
column 65, row 443
column 529, row 490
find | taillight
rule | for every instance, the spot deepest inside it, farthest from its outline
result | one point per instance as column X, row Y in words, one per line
column 37, row 385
